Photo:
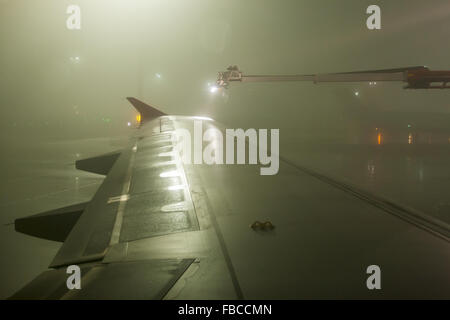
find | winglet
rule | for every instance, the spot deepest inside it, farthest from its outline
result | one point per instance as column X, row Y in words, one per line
column 147, row 112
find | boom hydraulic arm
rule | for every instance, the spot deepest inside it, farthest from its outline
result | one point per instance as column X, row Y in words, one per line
column 415, row 77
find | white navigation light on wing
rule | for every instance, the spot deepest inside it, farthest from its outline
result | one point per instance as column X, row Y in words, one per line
column 166, row 154
column 170, row 174
column 176, row 187
column 202, row 118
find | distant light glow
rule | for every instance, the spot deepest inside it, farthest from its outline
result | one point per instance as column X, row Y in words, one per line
column 75, row 59
column 158, row 75
column 213, row 89
column 138, row 118
column 371, row 168
column 356, row 93
column 129, row 124
column 379, row 138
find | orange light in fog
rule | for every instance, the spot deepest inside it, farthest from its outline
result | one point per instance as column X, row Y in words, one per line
column 138, row 118
column 379, row 138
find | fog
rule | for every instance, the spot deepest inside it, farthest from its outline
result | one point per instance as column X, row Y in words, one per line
column 62, row 94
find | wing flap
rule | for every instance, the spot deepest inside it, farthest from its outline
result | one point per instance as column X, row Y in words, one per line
column 99, row 164
column 135, row 280
column 52, row 225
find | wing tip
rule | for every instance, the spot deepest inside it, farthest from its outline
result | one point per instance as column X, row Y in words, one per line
column 147, row 112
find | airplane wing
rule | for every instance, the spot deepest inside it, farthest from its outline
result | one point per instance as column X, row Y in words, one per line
column 161, row 229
